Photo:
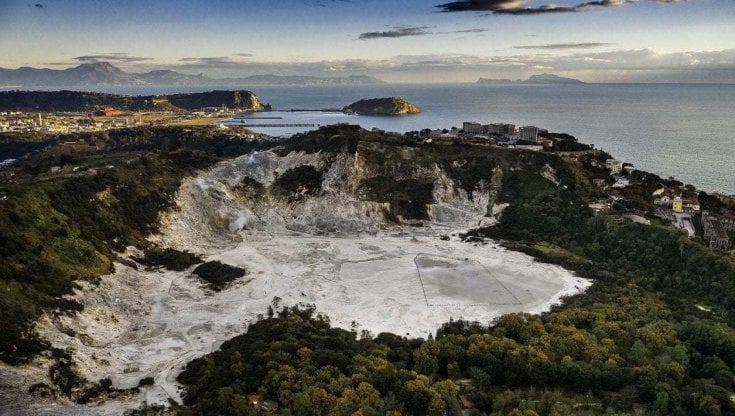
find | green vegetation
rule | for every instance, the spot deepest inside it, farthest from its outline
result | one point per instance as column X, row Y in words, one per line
column 391, row 106
column 217, row 274
column 408, row 198
column 57, row 229
column 298, row 182
column 86, row 101
column 169, row 258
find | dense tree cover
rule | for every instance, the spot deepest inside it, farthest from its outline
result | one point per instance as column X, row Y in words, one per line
column 594, row 356
column 310, row 368
column 297, row 183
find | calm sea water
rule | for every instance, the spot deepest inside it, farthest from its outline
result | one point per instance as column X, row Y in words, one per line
column 685, row 131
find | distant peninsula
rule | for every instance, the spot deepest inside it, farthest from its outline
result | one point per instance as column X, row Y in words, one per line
column 533, row 79
column 105, row 74
column 88, row 101
column 391, row 106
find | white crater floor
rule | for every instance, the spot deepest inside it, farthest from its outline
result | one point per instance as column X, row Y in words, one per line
column 140, row 324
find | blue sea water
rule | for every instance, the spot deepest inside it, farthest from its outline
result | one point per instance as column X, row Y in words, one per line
column 681, row 130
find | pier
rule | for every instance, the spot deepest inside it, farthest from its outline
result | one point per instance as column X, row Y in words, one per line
column 280, row 125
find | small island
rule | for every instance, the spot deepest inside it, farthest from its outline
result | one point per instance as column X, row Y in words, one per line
column 392, row 106
column 533, row 79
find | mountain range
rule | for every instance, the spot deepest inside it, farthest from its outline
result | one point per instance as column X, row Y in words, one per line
column 106, row 74
column 533, row 79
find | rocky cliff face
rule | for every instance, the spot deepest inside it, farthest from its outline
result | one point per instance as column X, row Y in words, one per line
column 362, row 188
column 393, row 106
column 243, row 99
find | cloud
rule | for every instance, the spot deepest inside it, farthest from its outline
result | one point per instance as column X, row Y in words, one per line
column 469, row 31
column 396, row 32
column 110, row 57
column 555, row 46
column 615, row 65
column 330, row 3
column 216, row 61
column 520, row 7
column 40, row 6
column 402, row 31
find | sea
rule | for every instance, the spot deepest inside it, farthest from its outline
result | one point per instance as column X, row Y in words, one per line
column 682, row 130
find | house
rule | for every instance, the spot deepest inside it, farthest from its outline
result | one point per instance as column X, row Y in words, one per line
column 677, row 205
column 714, row 232
column 615, row 166
column 662, row 197
column 690, row 205
column 465, row 402
column 599, row 182
column 728, row 221
column 108, row 112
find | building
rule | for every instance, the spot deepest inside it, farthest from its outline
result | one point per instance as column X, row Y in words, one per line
column 728, row 221
column 108, row 112
column 662, row 197
column 690, row 205
column 471, row 127
column 615, row 166
column 528, row 133
column 677, row 205
column 500, row 128
column 714, row 232
column 599, row 182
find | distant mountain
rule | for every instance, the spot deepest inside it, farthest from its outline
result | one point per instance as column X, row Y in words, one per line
column 533, row 79
column 304, row 80
column 89, row 101
column 106, row 74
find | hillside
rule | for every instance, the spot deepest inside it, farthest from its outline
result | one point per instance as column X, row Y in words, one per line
column 392, row 250
column 392, row 106
column 106, row 74
column 533, row 79
column 86, row 101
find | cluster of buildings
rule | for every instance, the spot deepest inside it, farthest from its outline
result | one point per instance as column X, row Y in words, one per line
column 683, row 208
column 678, row 203
column 715, row 232
column 502, row 131
column 19, row 122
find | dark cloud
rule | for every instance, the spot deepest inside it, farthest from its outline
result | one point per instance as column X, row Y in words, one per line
column 582, row 45
column 470, row 31
column 110, row 57
column 222, row 61
column 329, row 3
column 40, row 6
column 396, row 32
column 520, row 7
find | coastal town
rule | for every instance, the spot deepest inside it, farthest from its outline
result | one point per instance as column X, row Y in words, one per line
column 105, row 118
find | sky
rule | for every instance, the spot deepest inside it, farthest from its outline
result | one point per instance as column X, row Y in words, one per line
column 395, row 40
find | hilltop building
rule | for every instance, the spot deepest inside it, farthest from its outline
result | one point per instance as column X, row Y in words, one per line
column 528, row 133
column 471, row 127
column 615, row 166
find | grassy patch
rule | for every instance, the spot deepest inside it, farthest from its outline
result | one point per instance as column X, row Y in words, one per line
column 169, row 258
column 408, row 198
column 297, row 182
column 218, row 275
